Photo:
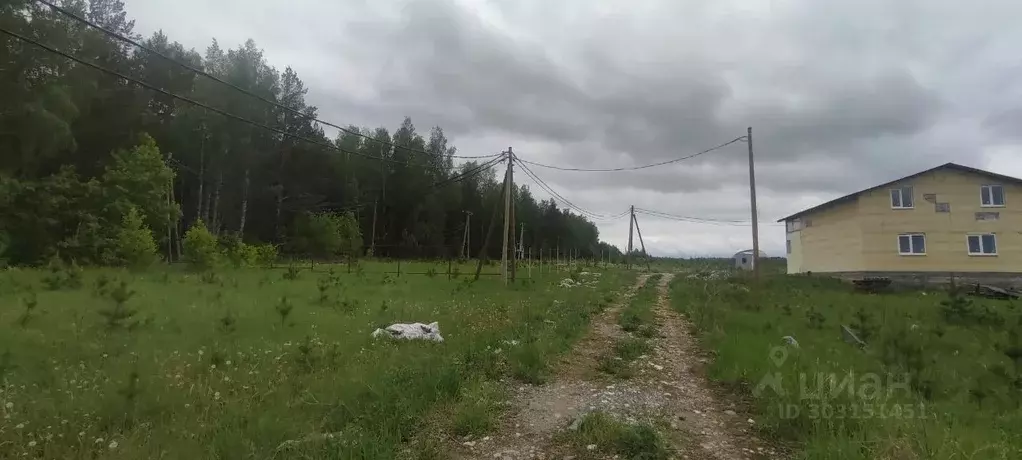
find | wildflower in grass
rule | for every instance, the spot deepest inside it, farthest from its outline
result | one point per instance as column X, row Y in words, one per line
column 81, row 434
column 216, row 395
column 20, row 426
column 99, row 440
column 113, row 445
column 9, row 405
column 31, row 444
column 212, row 366
column 200, row 352
column 228, row 362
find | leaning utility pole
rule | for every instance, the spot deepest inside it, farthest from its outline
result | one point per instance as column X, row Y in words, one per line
column 465, row 237
column 643, row 244
column 755, row 214
column 483, row 255
column 631, row 222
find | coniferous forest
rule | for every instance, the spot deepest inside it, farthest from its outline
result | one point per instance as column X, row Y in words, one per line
column 94, row 168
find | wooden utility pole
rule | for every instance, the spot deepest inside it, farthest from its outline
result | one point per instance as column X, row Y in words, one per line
column 465, row 237
column 511, row 221
column 507, row 213
column 631, row 223
column 170, row 221
column 483, row 256
column 372, row 240
column 202, row 174
column 244, row 204
column 755, row 214
column 643, row 244
column 521, row 242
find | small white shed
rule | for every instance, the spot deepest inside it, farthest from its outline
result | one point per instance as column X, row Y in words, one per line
column 743, row 259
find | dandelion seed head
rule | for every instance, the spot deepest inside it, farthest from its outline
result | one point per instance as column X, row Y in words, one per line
column 216, row 395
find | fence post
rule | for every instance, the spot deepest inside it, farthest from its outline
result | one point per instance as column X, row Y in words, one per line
column 399, row 268
column 449, row 269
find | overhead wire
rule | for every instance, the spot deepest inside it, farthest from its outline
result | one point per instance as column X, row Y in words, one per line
column 192, row 101
column 205, row 74
column 634, row 168
column 546, row 187
column 697, row 220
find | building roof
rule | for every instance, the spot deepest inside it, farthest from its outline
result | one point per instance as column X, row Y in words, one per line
column 853, row 196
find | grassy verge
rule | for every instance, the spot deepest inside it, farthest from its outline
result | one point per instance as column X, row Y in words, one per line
column 637, row 320
column 940, row 376
column 599, row 434
column 111, row 364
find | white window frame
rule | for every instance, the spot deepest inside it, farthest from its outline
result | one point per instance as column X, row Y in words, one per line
column 988, row 189
column 968, row 248
column 910, row 246
column 901, row 197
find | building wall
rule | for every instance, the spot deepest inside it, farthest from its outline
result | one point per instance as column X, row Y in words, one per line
column 946, row 244
column 794, row 257
column 829, row 240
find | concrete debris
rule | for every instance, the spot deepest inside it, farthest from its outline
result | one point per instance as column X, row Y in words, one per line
column 411, row 331
column 790, row 341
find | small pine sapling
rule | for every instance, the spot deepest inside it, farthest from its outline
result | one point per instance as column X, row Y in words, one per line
column 119, row 311
column 284, row 307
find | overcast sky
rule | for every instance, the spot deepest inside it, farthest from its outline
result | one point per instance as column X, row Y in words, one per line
column 841, row 94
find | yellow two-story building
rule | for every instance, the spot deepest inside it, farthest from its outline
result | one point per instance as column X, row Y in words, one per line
column 951, row 220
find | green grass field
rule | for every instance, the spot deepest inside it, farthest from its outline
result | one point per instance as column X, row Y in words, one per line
column 172, row 364
column 940, row 377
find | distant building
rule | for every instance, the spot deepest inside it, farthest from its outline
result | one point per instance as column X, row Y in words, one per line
column 743, row 260
column 947, row 220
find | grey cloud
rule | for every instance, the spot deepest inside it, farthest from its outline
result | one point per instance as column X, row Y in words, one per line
column 842, row 95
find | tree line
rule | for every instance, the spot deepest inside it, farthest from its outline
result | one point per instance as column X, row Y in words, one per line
column 88, row 161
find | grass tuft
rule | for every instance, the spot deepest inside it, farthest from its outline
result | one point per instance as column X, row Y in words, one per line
column 611, row 436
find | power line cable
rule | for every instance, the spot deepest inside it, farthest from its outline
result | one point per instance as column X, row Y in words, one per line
column 195, row 70
column 697, row 220
column 192, row 101
column 675, row 216
column 546, row 187
column 560, row 198
column 634, row 168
